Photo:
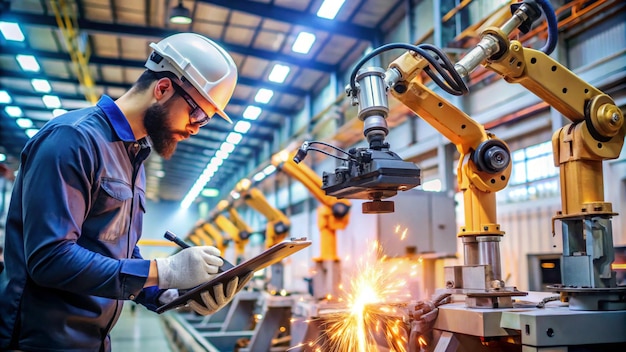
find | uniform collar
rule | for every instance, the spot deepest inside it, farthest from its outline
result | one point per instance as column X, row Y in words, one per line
column 116, row 117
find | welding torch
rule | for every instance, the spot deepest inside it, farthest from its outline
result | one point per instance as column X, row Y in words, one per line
column 182, row 244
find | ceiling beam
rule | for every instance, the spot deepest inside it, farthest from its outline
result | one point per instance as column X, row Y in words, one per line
column 98, row 60
column 159, row 33
column 297, row 18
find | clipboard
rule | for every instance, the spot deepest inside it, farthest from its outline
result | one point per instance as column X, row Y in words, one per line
column 268, row 257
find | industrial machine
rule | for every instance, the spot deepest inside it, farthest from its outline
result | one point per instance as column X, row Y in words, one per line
column 595, row 313
column 234, row 226
column 206, row 234
column 277, row 227
column 332, row 214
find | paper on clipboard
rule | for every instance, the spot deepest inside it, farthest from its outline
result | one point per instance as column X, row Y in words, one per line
column 270, row 256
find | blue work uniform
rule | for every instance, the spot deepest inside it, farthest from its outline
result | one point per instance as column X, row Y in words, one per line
column 71, row 255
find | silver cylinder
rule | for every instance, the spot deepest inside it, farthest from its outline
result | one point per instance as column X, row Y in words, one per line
column 484, row 49
column 483, row 250
column 372, row 93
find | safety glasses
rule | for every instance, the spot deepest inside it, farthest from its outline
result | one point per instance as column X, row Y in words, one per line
column 197, row 116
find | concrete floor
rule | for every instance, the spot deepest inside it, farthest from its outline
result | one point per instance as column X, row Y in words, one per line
column 139, row 330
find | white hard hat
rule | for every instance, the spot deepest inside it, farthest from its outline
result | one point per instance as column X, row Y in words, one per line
column 202, row 62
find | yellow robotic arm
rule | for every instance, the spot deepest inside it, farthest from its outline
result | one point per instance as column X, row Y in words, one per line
column 333, row 213
column 596, row 133
column 237, row 230
column 205, row 234
column 278, row 223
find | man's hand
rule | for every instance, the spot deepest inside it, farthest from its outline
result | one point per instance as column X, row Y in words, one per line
column 188, row 268
column 222, row 297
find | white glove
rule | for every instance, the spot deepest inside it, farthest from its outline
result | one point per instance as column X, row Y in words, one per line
column 222, row 297
column 188, row 268
column 168, row 296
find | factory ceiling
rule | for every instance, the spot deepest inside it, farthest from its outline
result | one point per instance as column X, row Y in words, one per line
column 112, row 39
column 86, row 48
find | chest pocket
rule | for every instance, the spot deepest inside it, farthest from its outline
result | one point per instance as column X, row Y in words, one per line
column 112, row 209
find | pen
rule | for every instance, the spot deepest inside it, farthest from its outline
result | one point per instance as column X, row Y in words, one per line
column 182, row 244
column 172, row 237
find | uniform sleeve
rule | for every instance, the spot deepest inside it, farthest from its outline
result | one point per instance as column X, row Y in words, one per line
column 59, row 170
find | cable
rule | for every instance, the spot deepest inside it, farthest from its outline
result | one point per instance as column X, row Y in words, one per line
column 553, row 26
column 452, row 81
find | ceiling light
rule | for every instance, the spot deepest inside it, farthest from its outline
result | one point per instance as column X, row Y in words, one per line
column 11, row 31
column 24, row 123
column 330, row 8
column 13, row 111
column 3, row 157
column 258, row 176
column 252, row 112
column 279, row 73
column 242, row 126
column 269, row 169
column 5, row 98
column 31, row 132
column 216, row 161
column 51, row 101
column 28, row 63
column 303, row 42
column 234, row 138
column 180, row 14
column 222, row 154
column 263, row 96
column 57, row 112
column 227, row 147
column 210, row 192
column 41, row 85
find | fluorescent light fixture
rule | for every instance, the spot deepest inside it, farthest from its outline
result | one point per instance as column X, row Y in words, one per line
column 242, row 127
column 211, row 168
column 159, row 173
column 11, row 31
column 252, row 112
column 51, row 101
column 269, row 169
column 330, row 8
column 227, row 147
column 41, row 85
column 3, row 157
column 28, row 63
column 217, row 161
column 303, row 43
column 24, row 122
column 258, row 176
column 13, row 111
column 5, row 98
column 222, row 154
column 279, row 73
column 210, row 192
column 234, row 138
column 31, row 132
column 57, row 112
column 263, row 96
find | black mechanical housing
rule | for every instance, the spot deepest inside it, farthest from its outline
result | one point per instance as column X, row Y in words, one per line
column 371, row 174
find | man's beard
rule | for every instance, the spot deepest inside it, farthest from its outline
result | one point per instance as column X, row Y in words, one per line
column 157, row 125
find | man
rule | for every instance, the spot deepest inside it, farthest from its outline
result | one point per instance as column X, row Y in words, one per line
column 78, row 201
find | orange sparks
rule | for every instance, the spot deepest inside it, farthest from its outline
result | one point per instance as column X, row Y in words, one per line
column 374, row 316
